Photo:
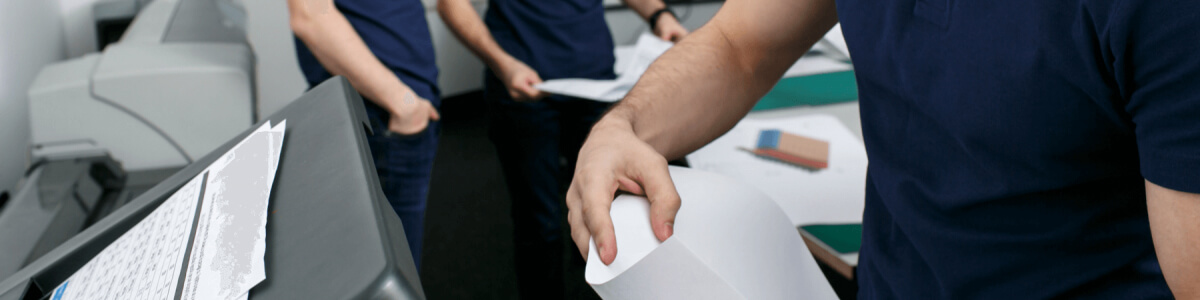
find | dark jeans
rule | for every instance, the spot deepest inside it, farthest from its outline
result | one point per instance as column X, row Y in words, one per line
column 533, row 140
column 404, row 164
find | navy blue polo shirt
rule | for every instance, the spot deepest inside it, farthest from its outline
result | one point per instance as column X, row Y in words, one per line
column 1009, row 141
column 397, row 33
column 557, row 38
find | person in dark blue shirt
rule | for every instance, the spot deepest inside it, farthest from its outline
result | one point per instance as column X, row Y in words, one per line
column 523, row 42
column 1019, row 149
column 384, row 49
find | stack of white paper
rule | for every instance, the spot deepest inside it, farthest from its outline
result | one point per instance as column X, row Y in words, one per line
column 206, row 241
column 730, row 242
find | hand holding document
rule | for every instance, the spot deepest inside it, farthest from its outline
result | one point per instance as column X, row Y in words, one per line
column 730, row 242
column 633, row 63
column 206, row 241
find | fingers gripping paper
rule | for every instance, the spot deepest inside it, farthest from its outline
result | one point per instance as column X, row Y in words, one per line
column 730, row 242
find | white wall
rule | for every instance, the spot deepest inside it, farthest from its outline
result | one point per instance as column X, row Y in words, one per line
column 79, row 28
column 31, row 36
column 459, row 71
column 278, row 77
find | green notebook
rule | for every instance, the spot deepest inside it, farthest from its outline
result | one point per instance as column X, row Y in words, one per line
column 810, row 90
column 843, row 238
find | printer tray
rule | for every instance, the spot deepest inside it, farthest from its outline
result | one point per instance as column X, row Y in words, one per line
column 331, row 233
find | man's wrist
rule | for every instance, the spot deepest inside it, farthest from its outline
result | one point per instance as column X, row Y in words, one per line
column 619, row 117
column 500, row 61
column 401, row 100
column 659, row 15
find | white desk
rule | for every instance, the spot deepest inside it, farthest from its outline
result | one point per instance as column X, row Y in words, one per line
column 847, row 112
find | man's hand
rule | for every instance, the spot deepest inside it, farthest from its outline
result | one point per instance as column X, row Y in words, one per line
column 614, row 158
column 518, row 77
column 520, row 80
column 410, row 114
column 669, row 29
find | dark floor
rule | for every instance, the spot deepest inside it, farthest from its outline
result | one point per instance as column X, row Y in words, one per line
column 468, row 233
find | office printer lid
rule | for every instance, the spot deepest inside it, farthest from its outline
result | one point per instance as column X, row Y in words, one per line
column 188, row 21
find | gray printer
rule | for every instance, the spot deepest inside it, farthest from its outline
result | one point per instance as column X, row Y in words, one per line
column 106, row 127
column 179, row 83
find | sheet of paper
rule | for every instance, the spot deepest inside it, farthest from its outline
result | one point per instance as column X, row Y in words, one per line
column 833, row 195
column 836, row 40
column 646, row 51
column 815, row 64
column 624, row 57
column 208, row 237
column 227, row 259
column 633, row 61
column 731, row 242
column 147, row 260
column 828, row 196
column 631, row 64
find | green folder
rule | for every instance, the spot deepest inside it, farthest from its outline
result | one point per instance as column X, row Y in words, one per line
column 816, row 89
column 843, row 238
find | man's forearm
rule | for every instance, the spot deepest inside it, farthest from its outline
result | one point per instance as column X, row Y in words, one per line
column 700, row 88
column 466, row 24
column 341, row 51
column 1175, row 225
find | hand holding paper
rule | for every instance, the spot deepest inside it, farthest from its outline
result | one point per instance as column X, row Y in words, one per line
column 614, row 158
column 520, row 80
column 731, row 242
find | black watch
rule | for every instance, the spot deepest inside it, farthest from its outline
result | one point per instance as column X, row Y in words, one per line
column 653, row 20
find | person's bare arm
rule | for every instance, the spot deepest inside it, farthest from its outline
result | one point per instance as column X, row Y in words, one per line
column 1175, row 224
column 695, row 92
column 668, row 28
column 342, row 51
column 466, row 24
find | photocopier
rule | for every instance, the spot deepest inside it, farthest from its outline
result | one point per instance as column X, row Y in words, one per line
column 330, row 232
column 107, row 126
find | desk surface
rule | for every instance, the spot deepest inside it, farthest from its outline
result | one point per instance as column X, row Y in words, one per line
column 846, row 112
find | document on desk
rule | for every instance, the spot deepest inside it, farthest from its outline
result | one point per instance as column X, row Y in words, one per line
column 206, row 241
column 834, row 195
column 730, row 242
column 632, row 62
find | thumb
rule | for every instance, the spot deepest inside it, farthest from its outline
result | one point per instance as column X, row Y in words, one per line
column 433, row 113
column 530, row 91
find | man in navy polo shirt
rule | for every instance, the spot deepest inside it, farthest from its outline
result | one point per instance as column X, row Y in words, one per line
column 523, row 42
column 1019, row 149
column 383, row 48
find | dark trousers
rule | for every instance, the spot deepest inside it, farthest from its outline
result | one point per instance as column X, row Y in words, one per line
column 404, row 164
column 538, row 143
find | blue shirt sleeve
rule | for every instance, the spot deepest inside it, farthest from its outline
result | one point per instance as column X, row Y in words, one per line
column 1155, row 55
